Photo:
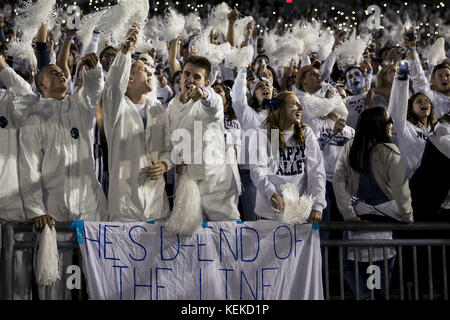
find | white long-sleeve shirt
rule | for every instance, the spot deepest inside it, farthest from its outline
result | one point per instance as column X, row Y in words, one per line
column 355, row 105
column 132, row 147
column 441, row 102
column 249, row 118
column 410, row 139
column 11, row 207
column 330, row 144
column 301, row 166
column 56, row 170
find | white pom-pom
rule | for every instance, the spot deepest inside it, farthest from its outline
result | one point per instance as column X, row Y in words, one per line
column 239, row 58
column 435, row 53
column 47, row 270
column 351, row 51
column 22, row 50
column 320, row 107
column 116, row 21
column 271, row 42
column 296, row 209
column 31, row 15
column 241, row 25
column 214, row 53
column 309, row 32
column 87, row 26
column 219, row 18
column 326, row 45
column 172, row 25
column 186, row 215
column 192, row 25
column 289, row 47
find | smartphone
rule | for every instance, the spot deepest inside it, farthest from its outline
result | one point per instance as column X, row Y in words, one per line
column 409, row 35
column 403, row 69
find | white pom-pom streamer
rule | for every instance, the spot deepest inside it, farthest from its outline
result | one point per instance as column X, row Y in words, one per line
column 241, row 25
column 435, row 53
column 192, row 25
column 289, row 47
column 296, row 209
column 87, row 26
column 309, row 32
column 186, row 215
column 219, row 18
column 22, row 50
column 172, row 25
column 320, row 107
column 239, row 58
column 47, row 270
column 32, row 15
column 351, row 51
column 326, row 45
column 214, row 53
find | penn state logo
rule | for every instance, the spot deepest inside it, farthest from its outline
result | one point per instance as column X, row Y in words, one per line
column 74, row 133
column 3, row 122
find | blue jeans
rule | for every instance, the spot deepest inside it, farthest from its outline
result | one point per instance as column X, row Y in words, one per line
column 248, row 197
column 364, row 292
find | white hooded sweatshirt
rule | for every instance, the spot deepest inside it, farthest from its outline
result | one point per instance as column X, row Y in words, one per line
column 410, row 139
column 301, row 166
column 56, row 168
column 11, row 207
column 131, row 147
column 218, row 181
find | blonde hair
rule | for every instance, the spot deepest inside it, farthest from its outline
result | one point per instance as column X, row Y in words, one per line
column 275, row 120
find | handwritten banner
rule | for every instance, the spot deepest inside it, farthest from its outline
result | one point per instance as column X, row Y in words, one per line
column 260, row 260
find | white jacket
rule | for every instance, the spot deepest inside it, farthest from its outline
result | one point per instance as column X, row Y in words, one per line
column 410, row 139
column 56, row 168
column 301, row 167
column 218, row 181
column 11, row 207
column 441, row 102
column 131, row 148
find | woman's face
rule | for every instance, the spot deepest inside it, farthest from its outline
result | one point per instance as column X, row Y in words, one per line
column 219, row 90
column 421, row 106
column 263, row 90
column 292, row 110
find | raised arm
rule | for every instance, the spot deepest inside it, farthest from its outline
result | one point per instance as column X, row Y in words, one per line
column 92, row 47
column 398, row 104
column 64, row 52
column 231, row 34
column 92, row 82
column 117, row 81
column 243, row 111
column 174, row 66
column 12, row 81
column 419, row 80
column 42, row 51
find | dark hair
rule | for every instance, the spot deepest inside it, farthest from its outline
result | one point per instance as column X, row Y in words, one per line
column 201, row 62
column 444, row 118
column 227, row 108
column 442, row 65
column 104, row 50
column 370, row 131
column 39, row 75
column 411, row 116
column 262, row 56
column 172, row 80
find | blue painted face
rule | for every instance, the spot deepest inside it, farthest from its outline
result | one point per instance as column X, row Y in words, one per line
column 355, row 80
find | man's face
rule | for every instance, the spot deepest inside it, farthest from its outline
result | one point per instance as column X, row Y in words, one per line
column 193, row 75
column 312, row 79
column 53, row 80
column 441, row 80
column 140, row 77
column 355, row 80
column 108, row 58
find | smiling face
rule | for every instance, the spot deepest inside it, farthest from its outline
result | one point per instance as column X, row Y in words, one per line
column 421, row 106
column 263, row 90
column 193, row 75
column 292, row 110
column 441, row 80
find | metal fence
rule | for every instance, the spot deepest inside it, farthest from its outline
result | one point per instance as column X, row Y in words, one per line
column 423, row 260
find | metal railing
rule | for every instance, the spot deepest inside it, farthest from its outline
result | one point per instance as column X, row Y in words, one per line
column 333, row 270
column 402, row 245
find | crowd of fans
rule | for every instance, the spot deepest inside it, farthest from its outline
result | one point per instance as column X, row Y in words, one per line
column 357, row 121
